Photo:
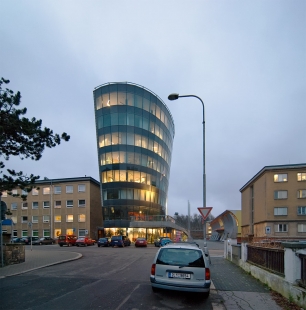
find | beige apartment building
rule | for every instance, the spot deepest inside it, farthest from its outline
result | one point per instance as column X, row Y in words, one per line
column 273, row 203
column 59, row 206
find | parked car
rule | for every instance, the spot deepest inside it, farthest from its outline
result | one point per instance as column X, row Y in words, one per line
column 165, row 241
column 44, row 240
column 141, row 242
column 102, row 242
column 120, row 241
column 84, row 241
column 27, row 240
column 18, row 240
column 181, row 267
column 68, row 240
column 157, row 241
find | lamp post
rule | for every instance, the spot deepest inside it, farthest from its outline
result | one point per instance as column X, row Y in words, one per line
column 175, row 97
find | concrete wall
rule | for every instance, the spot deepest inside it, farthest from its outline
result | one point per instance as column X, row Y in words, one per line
column 286, row 286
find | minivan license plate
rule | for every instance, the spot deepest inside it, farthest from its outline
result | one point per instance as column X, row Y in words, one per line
column 179, row 275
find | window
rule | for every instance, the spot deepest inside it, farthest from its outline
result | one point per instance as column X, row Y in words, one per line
column 4, row 194
column 14, row 206
column 57, row 190
column 57, row 218
column 15, row 233
column 301, row 176
column 69, row 218
column 35, row 233
column 281, row 228
column 301, row 210
column 81, row 188
column 57, row 204
column 14, row 219
column 46, row 204
column 81, row 202
column 280, row 194
column 24, row 233
column 24, row 219
column 82, row 233
column 301, row 193
column 82, row 217
column 69, row 204
column 281, row 211
column 34, row 219
column 35, row 205
column 280, row 177
column 24, row 193
column 46, row 218
column 301, row 227
column 34, row 192
column 46, row 233
column 24, row 205
column 57, row 232
column 14, row 192
column 46, row 190
column 69, row 189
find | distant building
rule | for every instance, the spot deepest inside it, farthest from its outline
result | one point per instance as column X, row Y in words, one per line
column 273, row 203
column 226, row 225
column 59, row 206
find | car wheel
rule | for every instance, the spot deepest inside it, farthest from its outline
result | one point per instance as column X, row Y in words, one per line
column 154, row 289
column 77, row 245
column 61, row 245
column 40, row 243
column 98, row 245
column 206, row 294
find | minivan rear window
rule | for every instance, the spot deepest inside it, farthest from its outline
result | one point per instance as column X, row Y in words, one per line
column 117, row 238
column 181, row 257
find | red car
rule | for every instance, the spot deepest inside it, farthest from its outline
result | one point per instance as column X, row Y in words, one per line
column 141, row 242
column 84, row 241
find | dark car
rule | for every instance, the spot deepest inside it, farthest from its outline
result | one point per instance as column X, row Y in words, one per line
column 103, row 242
column 120, row 241
column 44, row 240
column 18, row 240
column 27, row 240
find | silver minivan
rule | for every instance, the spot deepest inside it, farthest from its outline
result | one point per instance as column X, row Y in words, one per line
column 181, row 267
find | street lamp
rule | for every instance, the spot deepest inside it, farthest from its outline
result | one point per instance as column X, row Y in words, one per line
column 175, row 97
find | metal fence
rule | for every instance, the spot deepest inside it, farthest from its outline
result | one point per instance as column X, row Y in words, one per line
column 302, row 282
column 271, row 259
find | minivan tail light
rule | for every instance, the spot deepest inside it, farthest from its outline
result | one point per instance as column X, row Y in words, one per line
column 153, row 269
column 207, row 274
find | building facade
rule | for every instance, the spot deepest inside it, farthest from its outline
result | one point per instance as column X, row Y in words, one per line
column 57, row 206
column 273, row 203
column 135, row 132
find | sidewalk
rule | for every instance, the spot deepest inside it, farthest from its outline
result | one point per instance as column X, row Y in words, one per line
column 36, row 259
column 239, row 290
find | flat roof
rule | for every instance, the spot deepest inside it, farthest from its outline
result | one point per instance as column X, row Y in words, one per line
column 269, row 168
column 67, row 180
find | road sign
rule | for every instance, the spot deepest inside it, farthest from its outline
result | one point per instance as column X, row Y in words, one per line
column 205, row 212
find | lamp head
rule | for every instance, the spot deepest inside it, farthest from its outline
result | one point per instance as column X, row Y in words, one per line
column 173, row 96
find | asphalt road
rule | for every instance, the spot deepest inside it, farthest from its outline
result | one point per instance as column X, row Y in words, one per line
column 104, row 278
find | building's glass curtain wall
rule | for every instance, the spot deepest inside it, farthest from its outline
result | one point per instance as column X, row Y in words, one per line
column 135, row 132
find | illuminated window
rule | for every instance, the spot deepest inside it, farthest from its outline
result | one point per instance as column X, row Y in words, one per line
column 46, row 190
column 57, row 218
column 57, row 232
column 34, row 191
column 4, row 194
column 69, row 231
column 301, row 176
column 301, row 193
column 69, row 218
column 82, row 218
column 280, row 177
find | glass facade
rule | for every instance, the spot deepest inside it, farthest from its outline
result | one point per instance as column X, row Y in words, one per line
column 135, row 132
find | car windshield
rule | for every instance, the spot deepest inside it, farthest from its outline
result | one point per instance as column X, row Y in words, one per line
column 102, row 239
column 116, row 238
column 141, row 239
column 181, row 257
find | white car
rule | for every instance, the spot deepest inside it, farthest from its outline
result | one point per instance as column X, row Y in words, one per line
column 181, row 267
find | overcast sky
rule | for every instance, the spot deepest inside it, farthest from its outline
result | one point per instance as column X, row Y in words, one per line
column 245, row 59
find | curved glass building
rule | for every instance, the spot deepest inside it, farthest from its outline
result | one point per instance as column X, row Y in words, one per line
column 135, row 132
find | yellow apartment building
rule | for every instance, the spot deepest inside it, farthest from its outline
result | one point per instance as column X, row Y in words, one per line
column 58, row 206
column 273, row 203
